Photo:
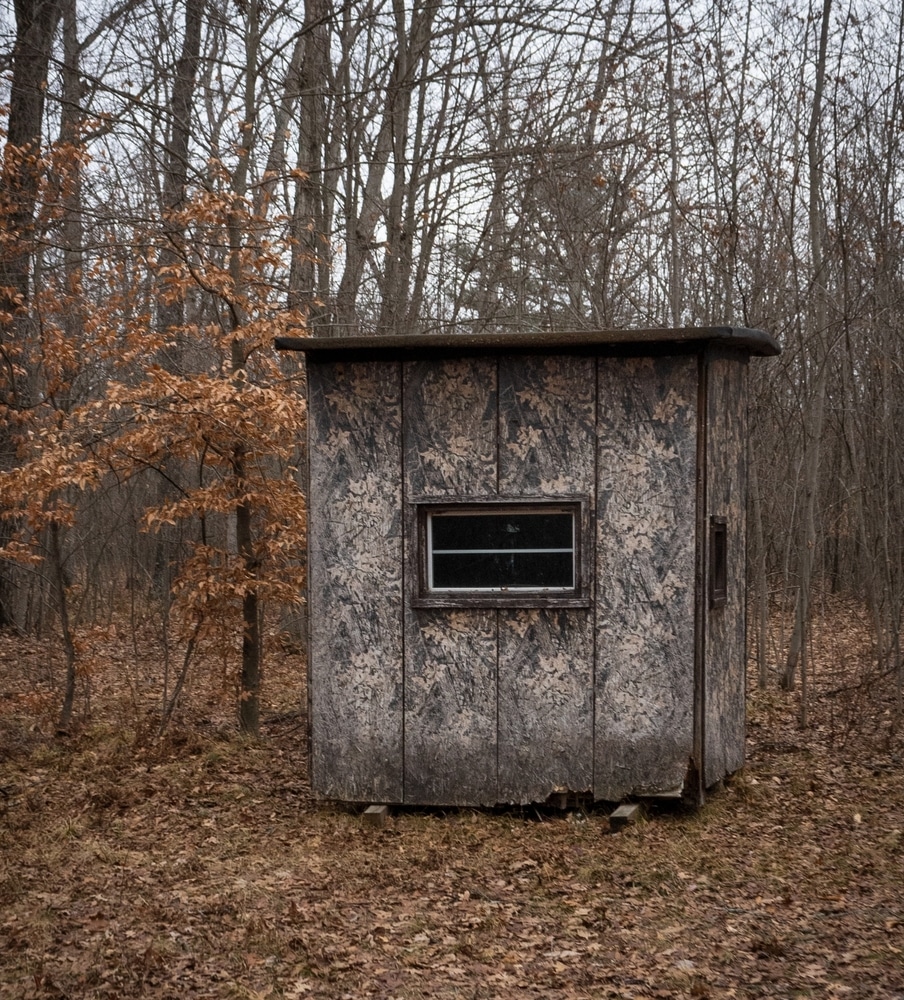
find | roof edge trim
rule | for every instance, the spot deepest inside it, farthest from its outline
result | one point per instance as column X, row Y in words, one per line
column 752, row 341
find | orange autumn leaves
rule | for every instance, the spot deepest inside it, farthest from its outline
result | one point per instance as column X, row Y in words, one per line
column 199, row 421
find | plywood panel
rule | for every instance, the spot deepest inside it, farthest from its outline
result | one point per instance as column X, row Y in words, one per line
column 545, row 703
column 547, row 411
column 450, row 421
column 645, row 574
column 450, row 707
column 547, row 449
column 726, row 479
column 355, row 580
column 450, row 655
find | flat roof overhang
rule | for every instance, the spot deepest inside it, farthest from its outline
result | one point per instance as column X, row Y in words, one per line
column 413, row 346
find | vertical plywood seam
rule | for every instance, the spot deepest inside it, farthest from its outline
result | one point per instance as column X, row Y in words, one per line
column 743, row 507
column 593, row 570
column 701, row 590
column 498, row 428
column 403, row 494
column 498, row 612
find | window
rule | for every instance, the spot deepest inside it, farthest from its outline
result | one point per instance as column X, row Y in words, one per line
column 718, row 562
column 498, row 553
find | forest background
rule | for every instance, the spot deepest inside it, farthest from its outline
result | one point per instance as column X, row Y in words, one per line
column 183, row 182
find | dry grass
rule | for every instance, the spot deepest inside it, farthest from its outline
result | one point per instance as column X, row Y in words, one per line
column 197, row 865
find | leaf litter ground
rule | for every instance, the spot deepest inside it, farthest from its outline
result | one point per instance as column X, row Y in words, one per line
column 197, row 865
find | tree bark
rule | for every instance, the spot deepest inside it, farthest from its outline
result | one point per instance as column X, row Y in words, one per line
column 310, row 265
column 58, row 570
column 252, row 637
column 675, row 288
column 36, row 22
column 818, row 345
column 171, row 313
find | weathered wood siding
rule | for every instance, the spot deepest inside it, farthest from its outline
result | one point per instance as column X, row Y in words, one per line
column 647, row 431
column 726, row 489
column 547, row 449
column 498, row 703
column 355, row 571
column 450, row 656
column 450, row 428
column 471, row 706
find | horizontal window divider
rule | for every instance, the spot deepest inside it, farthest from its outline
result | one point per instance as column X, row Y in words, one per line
column 471, row 552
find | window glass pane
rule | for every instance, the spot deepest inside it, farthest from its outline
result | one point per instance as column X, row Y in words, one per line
column 503, row 531
column 503, row 570
column 502, row 550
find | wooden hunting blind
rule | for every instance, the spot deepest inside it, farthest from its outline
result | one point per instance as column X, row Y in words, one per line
column 526, row 562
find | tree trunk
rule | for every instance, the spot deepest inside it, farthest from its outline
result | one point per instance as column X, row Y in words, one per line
column 310, row 265
column 36, row 22
column 252, row 638
column 818, row 347
column 58, row 570
column 675, row 288
column 170, row 309
column 171, row 312
column 762, row 579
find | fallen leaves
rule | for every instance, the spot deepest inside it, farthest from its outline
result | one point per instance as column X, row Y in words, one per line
column 197, row 866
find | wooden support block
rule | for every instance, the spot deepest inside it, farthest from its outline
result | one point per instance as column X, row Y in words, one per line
column 625, row 815
column 376, row 816
column 558, row 800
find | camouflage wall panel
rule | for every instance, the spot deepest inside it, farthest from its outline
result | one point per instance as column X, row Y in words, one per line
column 548, row 434
column 726, row 480
column 645, row 574
column 450, row 428
column 355, row 581
column 450, row 656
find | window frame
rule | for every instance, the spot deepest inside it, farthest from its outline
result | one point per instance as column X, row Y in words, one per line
column 578, row 596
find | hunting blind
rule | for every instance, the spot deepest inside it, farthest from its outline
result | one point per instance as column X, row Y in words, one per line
column 526, row 563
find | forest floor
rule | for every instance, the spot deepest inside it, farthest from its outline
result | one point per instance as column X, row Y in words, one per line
column 197, row 865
